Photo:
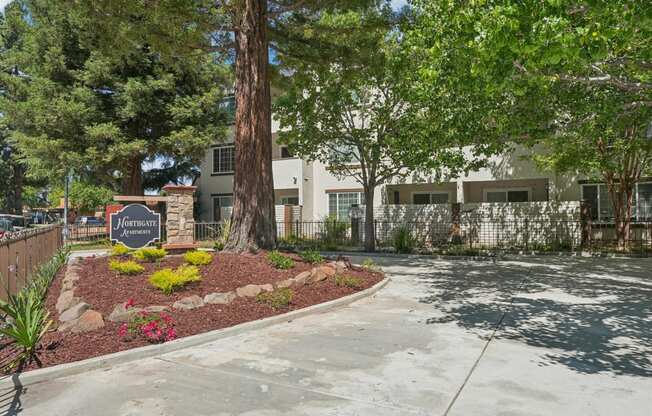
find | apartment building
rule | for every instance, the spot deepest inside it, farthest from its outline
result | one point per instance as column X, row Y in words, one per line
column 311, row 186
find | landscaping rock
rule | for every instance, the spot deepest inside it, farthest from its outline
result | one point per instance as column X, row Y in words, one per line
column 328, row 270
column 121, row 314
column 285, row 283
column 156, row 308
column 74, row 312
column 89, row 321
column 340, row 266
column 248, row 291
column 317, row 275
column 302, row 278
column 66, row 301
column 267, row 288
column 191, row 302
column 69, row 280
column 220, row 298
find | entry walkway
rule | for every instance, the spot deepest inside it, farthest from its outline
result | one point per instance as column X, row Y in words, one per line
column 545, row 336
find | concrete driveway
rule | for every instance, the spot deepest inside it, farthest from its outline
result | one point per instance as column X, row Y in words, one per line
column 544, row 336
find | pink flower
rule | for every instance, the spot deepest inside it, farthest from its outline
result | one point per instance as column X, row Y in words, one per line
column 130, row 303
column 170, row 334
column 166, row 318
column 124, row 328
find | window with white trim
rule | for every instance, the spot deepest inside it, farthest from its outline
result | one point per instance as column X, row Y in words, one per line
column 601, row 206
column 507, row 195
column 340, row 203
column 223, row 159
column 425, row 198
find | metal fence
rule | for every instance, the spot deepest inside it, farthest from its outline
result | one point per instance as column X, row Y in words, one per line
column 81, row 234
column 22, row 252
column 469, row 235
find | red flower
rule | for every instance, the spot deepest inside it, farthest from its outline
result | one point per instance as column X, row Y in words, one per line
column 124, row 328
column 130, row 303
column 170, row 334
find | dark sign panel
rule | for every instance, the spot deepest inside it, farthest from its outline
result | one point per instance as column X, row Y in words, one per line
column 135, row 226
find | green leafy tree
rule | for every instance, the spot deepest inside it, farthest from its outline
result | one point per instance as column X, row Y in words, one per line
column 575, row 77
column 241, row 32
column 69, row 105
column 359, row 111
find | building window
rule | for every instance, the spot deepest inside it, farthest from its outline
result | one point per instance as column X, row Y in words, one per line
column 601, row 206
column 223, row 159
column 290, row 200
column 425, row 198
column 285, row 153
column 506, row 195
column 340, row 203
column 222, row 206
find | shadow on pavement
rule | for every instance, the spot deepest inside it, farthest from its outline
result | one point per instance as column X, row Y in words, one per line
column 592, row 315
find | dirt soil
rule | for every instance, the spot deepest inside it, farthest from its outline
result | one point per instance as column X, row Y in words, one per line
column 103, row 289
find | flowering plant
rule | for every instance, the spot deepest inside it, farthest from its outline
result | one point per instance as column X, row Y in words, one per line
column 156, row 327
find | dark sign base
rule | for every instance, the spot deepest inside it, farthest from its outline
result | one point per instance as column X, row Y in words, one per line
column 180, row 247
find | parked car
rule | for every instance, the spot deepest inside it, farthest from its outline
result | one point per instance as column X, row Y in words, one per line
column 17, row 221
column 84, row 220
column 6, row 227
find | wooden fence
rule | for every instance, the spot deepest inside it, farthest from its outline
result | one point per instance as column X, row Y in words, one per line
column 23, row 252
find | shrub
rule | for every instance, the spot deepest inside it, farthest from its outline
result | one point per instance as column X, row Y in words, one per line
column 126, row 267
column 198, row 258
column 403, row 240
column 155, row 327
column 311, row 256
column 168, row 280
column 119, row 250
column 334, row 230
column 25, row 318
column 368, row 264
column 279, row 261
column 225, row 230
column 219, row 246
column 149, row 254
column 277, row 299
column 348, row 281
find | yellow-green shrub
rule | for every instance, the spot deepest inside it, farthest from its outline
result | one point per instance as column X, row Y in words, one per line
column 348, row 281
column 149, row 254
column 198, row 258
column 168, row 280
column 279, row 261
column 126, row 267
column 279, row 298
column 119, row 250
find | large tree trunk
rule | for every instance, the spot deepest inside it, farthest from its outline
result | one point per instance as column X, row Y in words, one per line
column 132, row 180
column 369, row 226
column 621, row 193
column 253, row 224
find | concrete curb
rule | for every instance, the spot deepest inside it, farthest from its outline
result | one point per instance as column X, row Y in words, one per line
column 63, row 370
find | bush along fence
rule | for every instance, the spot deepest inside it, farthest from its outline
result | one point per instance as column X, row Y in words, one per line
column 24, row 252
column 24, row 317
column 463, row 233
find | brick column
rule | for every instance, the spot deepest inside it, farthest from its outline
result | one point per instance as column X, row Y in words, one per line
column 180, row 224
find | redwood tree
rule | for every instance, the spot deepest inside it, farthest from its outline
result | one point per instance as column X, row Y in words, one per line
column 240, row 31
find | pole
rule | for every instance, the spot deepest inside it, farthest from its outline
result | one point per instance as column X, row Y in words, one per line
column 66, row 191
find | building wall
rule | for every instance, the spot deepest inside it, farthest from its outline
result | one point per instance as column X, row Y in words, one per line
column 405, row 191
column 474, row 191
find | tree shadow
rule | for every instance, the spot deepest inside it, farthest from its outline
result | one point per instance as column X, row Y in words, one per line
column 591, row 315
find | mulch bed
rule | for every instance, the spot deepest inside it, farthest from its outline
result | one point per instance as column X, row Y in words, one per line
column 102, row 289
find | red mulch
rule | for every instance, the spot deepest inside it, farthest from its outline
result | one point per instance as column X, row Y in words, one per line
column 102, row 289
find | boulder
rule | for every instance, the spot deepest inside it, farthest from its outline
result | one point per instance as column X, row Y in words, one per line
column 267, row 288
column 248, row 291
column 191, row 302
column 341, row 266
column 74, row 312
column 317, row 275
column 121, row 314
column 66, row 301
column 217, row 298
column 328, row 270
column 302, row 278
column 285, row 283
column 155, row 308
column 89, row 321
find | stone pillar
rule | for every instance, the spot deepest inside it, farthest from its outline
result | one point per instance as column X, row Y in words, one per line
column 180, row 224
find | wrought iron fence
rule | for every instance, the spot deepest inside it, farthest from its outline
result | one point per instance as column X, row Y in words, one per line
column 208, row 231
column 468, row 235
